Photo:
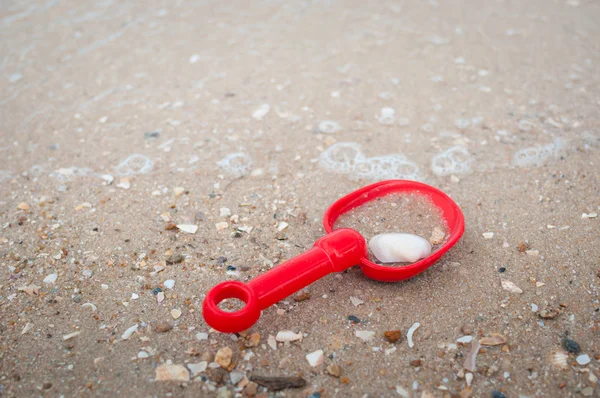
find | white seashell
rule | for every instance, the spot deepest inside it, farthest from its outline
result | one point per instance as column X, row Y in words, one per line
column 365, row 335
column 399, row 247
column 464, row 339
column 356, row 301
column 188, row 228
column 510, row 286
column 469, row 378
column 288, row 335
column 315, row 358
column 583, row 359
column 410, row 333
column 50, row 278
column 127, row 334
column 559, row 359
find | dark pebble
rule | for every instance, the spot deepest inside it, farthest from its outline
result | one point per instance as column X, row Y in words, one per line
column 231, row 268
column 571, row 346
column 353, row 319
column 151, row 134
column 315, row 395
column 47, row 386
column 174, row 259
column 221, row 260
column 77, row 299
column 502, row 269
column 156, row 290
column 497, row 394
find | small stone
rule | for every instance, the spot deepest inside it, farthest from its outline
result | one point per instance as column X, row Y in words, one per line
column 510, row 286
column 416, row 363
column 548, row 314
column 437, row 236
column 163, row 327
column 288, row 335
column 221, row 225
column 169, row 283
column 571, row 346
column 498, row 394
column 50, row 278
column 353, row 318
column 393, row 335
column 175, row 313
column 587, row 392
column 170, row 372
column 302, row 297
column 315, row 358
column 197, row 368
column 223, row 357
column 467, row 329
column 279, row 383
column 236, row 377
column 522, row 247
column 177, row 191
column 488, row 235
column 70, row 336
column 583, row 359
column 334, row 370
column 356, row 301
column 47, row 385
column 156, row 290
column 23, row 206
column 174, row 259
column 464, row 339
column 250, row 389
column 127, row 333
column 201, row 336
column 224, row 212
column 143, row 355
column 253, row 340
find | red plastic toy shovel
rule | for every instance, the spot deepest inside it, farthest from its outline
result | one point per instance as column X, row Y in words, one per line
column 335, row 252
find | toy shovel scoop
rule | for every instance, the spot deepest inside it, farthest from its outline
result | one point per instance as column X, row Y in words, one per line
column 334, row 252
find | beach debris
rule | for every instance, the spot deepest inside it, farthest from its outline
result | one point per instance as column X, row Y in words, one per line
column 559, row 359
column 163, row 327
column 175, row 313
column 356, row 301
column 315, row 358
column 399, row 247
column 464, row 339
column 469, row 378
column 271, row 342
column 410, row 333
column 583, row 359
column 197, row 368
column 548, row 314
column 27, row 328
column 261, row 111
column 188, row 228
column 30, row 290
column 470, row 361
column 571, row 346
column 437, row 236
column 71, row 335
column 170, row 372
column 493, row 339
column 589, row 215
column 393, row 335
column 364, row 335
column 278, row 383
column 488, row 235
column 127, row 333
column 334, row 370
column 50, row 278
column 510, row 286
column 169, row 283
column 223, row 357
column 288, row 335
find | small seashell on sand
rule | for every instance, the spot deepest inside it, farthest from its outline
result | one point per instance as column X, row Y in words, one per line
column 399, row 247
column 288, row 335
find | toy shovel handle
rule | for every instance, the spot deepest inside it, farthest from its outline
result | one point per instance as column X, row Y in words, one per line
column 334, row 252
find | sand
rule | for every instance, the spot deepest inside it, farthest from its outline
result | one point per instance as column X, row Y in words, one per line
column 121, row 120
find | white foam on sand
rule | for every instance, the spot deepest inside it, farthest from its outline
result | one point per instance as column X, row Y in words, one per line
column 537, row 155
column 454, row 160
column 347, row 158
column 236, row 164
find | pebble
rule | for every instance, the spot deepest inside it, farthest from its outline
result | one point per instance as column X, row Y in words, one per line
column 315, row 358
column 169, row 283
column 170, row 372
column 467, row 329
column 571, row 346
column 416, row 363
column 354, row 319
column 251, row 389
column 236, row 377
column 464, row 339
column 163, row 327
column 365, row 335
column 272, row 342
column 393, row 335
column 175, row 313
column 334, row 370
column 279, row 383
column 399, row 247
column 124, row 183
column 221, row 225
column 493, row 340
column 156, row 290
column 201, row 336
column 253, row 340
column 223, row 357
column 224, row 212
column 50, row 278
column 587, row 392
column 261, row 111
column 437, row 236
column 498, row 394
column 302, row 297
column 23, row 206
column 356, row 301
column 174, row 259
column 488, row 235
column 288, row 335
column 177, row 191
column 143, row 355
column 548, row 314
column 583, row 359
column 197, row 368
column 70, row 335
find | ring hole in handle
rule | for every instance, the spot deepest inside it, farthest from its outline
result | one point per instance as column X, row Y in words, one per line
column 233, row 321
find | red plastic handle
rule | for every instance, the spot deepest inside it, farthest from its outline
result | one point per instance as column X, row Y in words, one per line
column 335, row 252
